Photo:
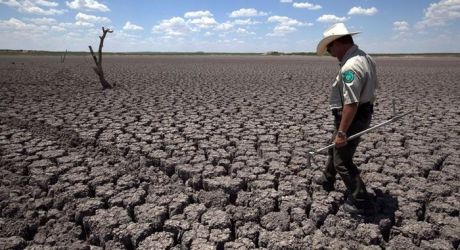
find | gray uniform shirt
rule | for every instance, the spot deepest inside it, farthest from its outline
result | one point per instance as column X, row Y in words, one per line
column 356, row 81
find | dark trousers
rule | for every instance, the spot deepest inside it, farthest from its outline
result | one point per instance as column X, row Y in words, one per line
column 340, row 160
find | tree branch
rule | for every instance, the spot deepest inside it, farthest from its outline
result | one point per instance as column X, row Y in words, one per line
column 92, row 53
column 98, row 61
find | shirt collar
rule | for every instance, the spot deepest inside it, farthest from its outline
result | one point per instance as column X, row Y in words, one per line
column 348, row 54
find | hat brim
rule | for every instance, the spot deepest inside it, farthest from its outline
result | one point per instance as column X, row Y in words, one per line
column 321, row 48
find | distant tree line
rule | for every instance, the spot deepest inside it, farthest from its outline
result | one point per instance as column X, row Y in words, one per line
column 84, row 53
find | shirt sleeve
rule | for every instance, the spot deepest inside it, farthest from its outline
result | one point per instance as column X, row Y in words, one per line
column 352, row 85
column 335, row 100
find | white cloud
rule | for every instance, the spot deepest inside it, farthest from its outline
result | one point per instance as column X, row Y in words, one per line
column 284, row 20
column 33, row 6
column 201, row 19
column 42, row 21
column 66, row 26
column 176, row 26
column 247, row 13
column 15, row 24
column 125, row 37
column 57, row 28
column 89, row 20
column 198, row 14
column 11, row 3
column 282, row 30
column 286, row 1
column 401, row 26
column 46, row 3
column 87, row 5
column 130, row 26
column 203, row 22
column 239, row 26
column 241, row 30
column 244, row 32
column 40, row 11
column 331, row 19
column 285, row 25
column 362, row 11
column 307, row 5
column 224, row 26
column 29, row 3
column 439, row 14
column 244, row 22
column 231, row 41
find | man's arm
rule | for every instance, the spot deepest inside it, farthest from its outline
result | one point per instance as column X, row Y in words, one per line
column 348, row 113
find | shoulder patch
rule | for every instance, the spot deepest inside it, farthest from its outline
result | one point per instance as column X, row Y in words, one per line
column 348, row 76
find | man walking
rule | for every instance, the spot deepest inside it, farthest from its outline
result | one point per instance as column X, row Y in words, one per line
column 351, row 102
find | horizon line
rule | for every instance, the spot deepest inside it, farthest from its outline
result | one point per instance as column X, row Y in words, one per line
column 273, row 52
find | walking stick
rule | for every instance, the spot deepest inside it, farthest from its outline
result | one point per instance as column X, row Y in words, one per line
column 311, row 154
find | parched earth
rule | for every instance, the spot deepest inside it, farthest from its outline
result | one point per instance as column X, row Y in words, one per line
column 210, row 152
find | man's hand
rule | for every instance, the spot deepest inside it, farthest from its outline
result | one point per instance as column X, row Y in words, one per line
column 340, row 141
column 348, row 113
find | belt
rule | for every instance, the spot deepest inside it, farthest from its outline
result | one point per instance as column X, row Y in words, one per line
column 363, row 108
column 337, row 112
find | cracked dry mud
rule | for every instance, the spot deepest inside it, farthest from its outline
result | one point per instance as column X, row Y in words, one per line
column 209, row 152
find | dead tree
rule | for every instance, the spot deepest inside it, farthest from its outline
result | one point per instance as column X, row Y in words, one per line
column 98, row 61
column 63, row 57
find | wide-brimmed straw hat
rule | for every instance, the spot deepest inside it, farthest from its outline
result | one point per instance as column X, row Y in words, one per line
column 332, row 33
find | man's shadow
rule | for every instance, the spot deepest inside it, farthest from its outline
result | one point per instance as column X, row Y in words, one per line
column 385, row 207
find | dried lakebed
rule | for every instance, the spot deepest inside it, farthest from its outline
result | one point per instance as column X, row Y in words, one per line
column 209, row 152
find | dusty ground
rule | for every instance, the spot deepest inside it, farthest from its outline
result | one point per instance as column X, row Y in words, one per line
column 207, row 152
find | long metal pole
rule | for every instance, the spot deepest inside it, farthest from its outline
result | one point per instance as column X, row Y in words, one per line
column 364, row 131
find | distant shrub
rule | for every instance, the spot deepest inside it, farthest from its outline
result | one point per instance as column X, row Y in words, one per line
column 274, row 53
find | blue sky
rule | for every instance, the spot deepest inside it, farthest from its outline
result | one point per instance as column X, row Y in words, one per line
column 390, row 26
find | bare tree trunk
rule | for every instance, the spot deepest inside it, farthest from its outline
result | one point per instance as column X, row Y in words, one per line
column 98, row 61
column 63, row 57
